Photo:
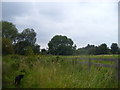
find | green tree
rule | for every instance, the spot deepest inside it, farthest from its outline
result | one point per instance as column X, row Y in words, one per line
column 88, row 50
column 28, row 35
column 114, row 48
column 29, row 51
column 36, row 49
column 7, row 47
column 61, row 45
column 81, row 51
column 43, row 51
column 20, row 47
column 9, row 31
column 119, row 51
column 102, row 49
column 26, row 38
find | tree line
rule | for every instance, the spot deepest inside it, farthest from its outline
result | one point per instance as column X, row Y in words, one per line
column 24, row 43
column 99, row 50
column 14, row 42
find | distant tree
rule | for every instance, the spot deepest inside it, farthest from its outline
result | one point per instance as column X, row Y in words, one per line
column 74, row 49
column 36, row 48
column 7, row 47
column 92, row 50
column 43, row 51
column 9, row 31
column 20, row 47
column 81, row 51
column 119, row 51
column 88, row 50
column 102, row 49
column 61, row 45
column 114, row 48
column 29, row 51
column 20, row 41
column 28, row 35
column 26, row 38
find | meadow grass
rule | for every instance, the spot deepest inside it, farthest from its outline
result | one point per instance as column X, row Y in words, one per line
column 44, row 72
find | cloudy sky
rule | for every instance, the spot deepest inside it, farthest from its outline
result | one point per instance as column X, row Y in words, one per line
column 83, row 22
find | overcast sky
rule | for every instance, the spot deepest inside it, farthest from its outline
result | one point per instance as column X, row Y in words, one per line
column 83, row 22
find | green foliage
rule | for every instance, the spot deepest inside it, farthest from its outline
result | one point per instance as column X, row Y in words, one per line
column 28, row 35
column 41, row 72
column 61, row 45
column 102, row 49
column 114, row 48
column 27, row 38
column 7, row 47
column 36, row 49
column 44, row 51
column 20, row 41
column 29, row 51
column 9, row 31
column 93, row 50
column 89, row 49
column 20, row 47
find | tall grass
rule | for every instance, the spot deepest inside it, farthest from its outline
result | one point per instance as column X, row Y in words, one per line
column 45, row 72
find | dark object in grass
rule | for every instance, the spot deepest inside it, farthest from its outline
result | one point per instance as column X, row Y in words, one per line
column 18, row 79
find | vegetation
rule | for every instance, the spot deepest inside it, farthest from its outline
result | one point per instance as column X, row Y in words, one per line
column 114, row 48
column 9, row 31
column 19, row 41
column 49, row 72
column 46, row 69
column 98, row 50
column 7, row 47
column 61, row 45
column 58, row 45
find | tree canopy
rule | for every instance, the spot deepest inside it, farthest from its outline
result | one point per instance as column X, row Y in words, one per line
column 114, row 48
column 7, row 47
column 20, row 42
column 93, row 50
column 9, row 31
column 28, row 35
column 24, row 43
column 61, row 45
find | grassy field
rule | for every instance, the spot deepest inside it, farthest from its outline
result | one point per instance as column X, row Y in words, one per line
column 46, row 72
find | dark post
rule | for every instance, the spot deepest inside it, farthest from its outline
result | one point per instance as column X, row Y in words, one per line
column 73, row 61
column 118, row 70
column 116, row 67
column 76, row 60
column 89, row 64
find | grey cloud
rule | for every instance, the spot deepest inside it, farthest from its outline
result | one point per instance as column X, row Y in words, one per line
column 10, row 9
column 84, row 23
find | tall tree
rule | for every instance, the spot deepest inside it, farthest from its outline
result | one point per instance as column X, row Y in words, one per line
column 7, row 47
column 28, row 35
column 20, row 47
column 114, row 48
column 9, row 31
column 61, row 45
column 26, row 38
